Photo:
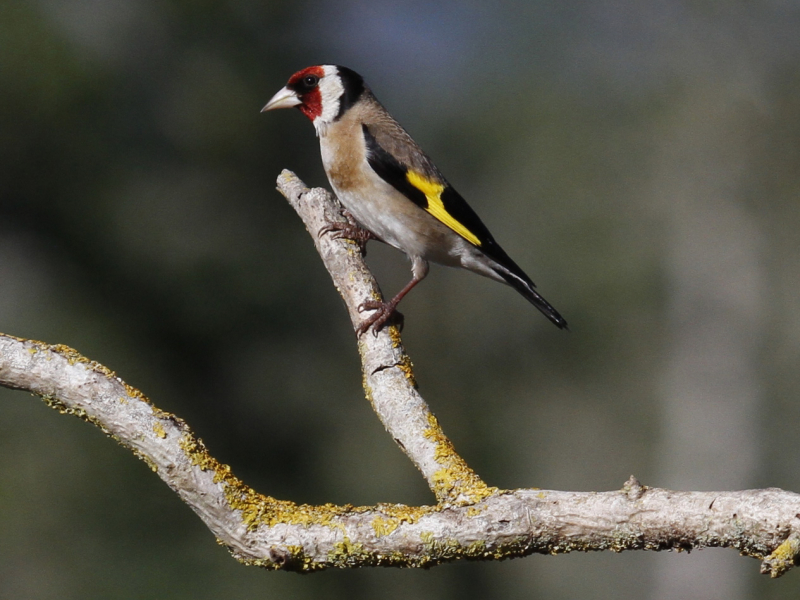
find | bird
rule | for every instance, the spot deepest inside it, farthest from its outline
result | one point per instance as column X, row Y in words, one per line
column 393, row 191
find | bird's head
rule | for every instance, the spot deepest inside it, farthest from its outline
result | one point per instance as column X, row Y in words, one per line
column 322, row 93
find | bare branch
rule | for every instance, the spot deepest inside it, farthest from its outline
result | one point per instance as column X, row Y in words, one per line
column 471, row 520
column 388, row 379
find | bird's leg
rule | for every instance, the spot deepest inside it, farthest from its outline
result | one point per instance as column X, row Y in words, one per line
column 350, row 230
column 386, row 310
column 383, row 311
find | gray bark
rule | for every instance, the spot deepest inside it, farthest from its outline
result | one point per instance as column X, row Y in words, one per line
column 470, row 519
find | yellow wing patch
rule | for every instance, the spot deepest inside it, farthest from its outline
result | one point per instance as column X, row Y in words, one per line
column 433, row 192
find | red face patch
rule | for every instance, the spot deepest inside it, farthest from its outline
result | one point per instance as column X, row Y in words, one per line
column 305, row 84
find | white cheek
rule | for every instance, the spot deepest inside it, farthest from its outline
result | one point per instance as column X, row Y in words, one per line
column 331, row 90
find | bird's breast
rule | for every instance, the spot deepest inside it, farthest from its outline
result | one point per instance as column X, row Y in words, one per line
column 343, row 157
column 379, row 207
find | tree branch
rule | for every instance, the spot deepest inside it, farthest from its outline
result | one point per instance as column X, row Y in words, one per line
column 470, row 520
column 387, row 372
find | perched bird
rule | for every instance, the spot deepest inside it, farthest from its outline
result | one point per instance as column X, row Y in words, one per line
column 392, row 189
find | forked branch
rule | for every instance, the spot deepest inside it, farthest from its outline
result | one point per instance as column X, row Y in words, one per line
column 469, row 520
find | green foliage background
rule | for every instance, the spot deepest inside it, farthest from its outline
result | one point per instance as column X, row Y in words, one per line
column 641, row 160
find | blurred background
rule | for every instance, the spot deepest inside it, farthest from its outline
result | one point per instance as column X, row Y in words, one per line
column 641, row 160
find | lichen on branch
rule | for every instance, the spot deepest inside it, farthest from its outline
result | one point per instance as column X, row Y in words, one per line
column 470, row 520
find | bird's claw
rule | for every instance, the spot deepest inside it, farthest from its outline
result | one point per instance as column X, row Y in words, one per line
column 384, row 311
column 349, row 230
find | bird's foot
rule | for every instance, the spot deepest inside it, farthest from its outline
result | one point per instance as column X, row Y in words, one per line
column 384, row 311
column 349, row 230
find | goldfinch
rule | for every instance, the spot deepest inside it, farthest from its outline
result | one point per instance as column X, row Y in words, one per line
column 393, row 190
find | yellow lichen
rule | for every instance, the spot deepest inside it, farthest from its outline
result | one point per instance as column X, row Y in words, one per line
column 407, row 368
column 784, row 557
column 74, row 357
column 394, row 515
column 476, row 549
column 394, row 335
column 406, row 514
column 257, row 509
column 164, row 415
column 455, row 481
column 145, row 459
column 63, row 409
column 346, row 553
column 445, row 549
column 368, row 390
column 159, row 430
column 384, row 527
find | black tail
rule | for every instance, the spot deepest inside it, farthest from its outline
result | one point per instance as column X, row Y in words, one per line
column 516, row 278
column 522, row 283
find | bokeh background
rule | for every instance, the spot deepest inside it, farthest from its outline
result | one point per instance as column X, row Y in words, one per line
column 640, row 159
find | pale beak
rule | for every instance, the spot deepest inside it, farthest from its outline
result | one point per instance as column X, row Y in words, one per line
column 285, row 98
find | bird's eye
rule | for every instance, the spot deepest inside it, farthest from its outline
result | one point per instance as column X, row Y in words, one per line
column 310, row 81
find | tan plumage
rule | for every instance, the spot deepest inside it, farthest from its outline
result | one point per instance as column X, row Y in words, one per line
column 393, row 189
